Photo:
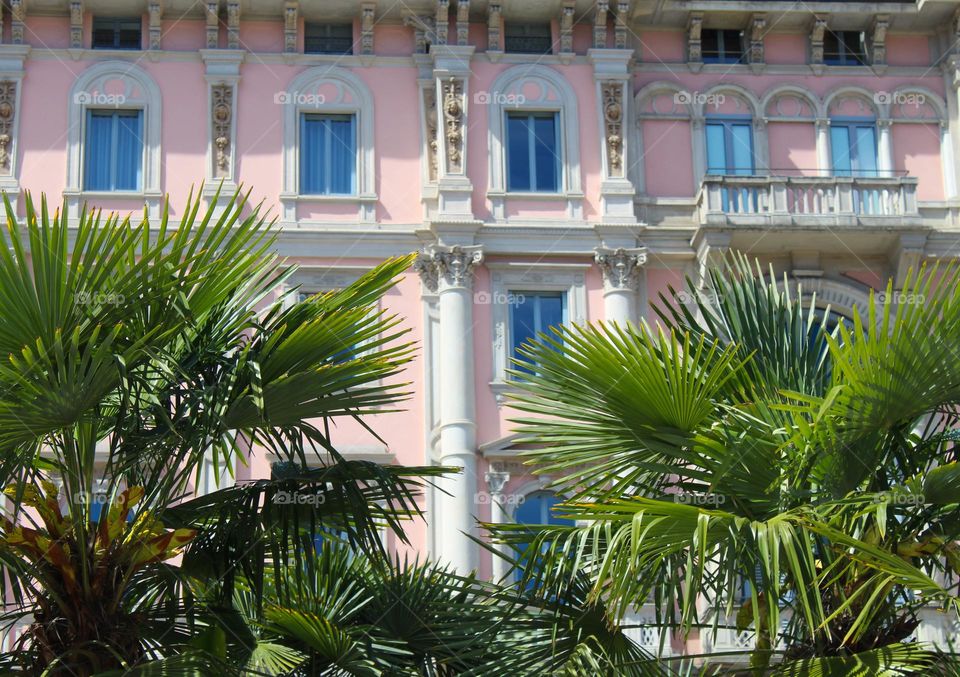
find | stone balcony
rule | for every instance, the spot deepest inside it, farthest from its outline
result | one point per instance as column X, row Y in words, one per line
column 807, row 201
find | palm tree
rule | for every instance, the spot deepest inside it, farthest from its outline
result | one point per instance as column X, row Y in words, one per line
column 754, row 437
column 133, row 355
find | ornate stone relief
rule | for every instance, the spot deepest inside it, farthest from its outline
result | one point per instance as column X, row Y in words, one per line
column 493, row 26
column 453, row 124
column 8, row 106
column 155, row 26
column 222, row 121
column 600, row 24
column 816, row 39
column 423, row 31
column 442, row 21
column 233, row 24
column 612, row 92
column 878, row 42
column 694, row 29
column 430, row 108
column 758, row 24
column 496, row 479
column 566, row 27
column 291, row 14
column 620, row 27
column 621, row 267
column 366, row 27
column 18, row 18
column 463, row 22
column 453, row 266
column 212, row 10
column 76, row 24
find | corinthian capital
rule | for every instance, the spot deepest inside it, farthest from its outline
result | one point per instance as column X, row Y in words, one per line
column 445, row 267
column 621, row 267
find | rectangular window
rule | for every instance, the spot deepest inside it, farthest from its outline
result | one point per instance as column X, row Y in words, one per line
column 328, row 155
column 721, row 46
column 528, row 38
column 729, row 147
column 853, row 148
column 321, row 38
column 844, row 48
column 532, row 313
column 116, row 33
column 533, row 153
column 113, row 150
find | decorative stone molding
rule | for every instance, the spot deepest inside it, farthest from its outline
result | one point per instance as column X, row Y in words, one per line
column 758, row 25
column 612, row 92
column 212, row 12
column 442, row 22
column 463, row 22
column 443, row 267
column 878, row 40
column 494, row 22
column 291, row 16
column 694, row 44
column 155, row 25
column 566, row 26
column 18, row 19
column 431, row 130
column 496, row 479
column 621, row 267
column 600, row 24
column 222, row 121
column 367, row 19
column 8, row 108
column 423, row 31
column 817, row 31
column 76, row 24
column 620, row 27
column 453, row 110
column 233, row 24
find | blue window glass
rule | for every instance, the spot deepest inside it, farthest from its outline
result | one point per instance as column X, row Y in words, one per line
column 729, row 147
column 113, row 150
column 721, row 46
column 532, row 313
column 533, row 153
column 328, row 155
column 853, row 148
column 537, row 509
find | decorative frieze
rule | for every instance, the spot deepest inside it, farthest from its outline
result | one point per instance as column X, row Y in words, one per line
column 817, row 31
column 233, row 24
column 600, row 24
column 566, row 26
column 463, row 22
column 8, row 107
column 76, row 24
column 367, row 18
column 155, row 23
column 431, row 130
column 758, row 25
column 878, row 41
column 442, row 22
column 291, row 16
column 612, row 93
column 493, row 26
column 621, row 267
column 620, row 27
column 222, row 123
column 18, row 19
column 453, row 110
column 212, row 12
column 694, row 45
column 449, row 266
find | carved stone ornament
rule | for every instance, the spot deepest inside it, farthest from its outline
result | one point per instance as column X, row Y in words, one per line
column 620, row 27
column 453, row 123
column 430, row 108
column 291, row 12
column 442, row 22
column 212, row 10
column 496, row 480
column 694, row 44
column 621, row 267
column 18, row 18
column 155, row 26
column 453, row 266
column 366, row 27
column 613, row 125
column 816, row 39
column 76, row 24
column 566, row 27
column 463, row 22
column 222, row 118
column 493, row 26
column 8, row 104
column 758, row 25
column 233, row 24
column 600, row 24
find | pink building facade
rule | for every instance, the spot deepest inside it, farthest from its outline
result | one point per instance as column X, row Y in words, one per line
column 552, row 160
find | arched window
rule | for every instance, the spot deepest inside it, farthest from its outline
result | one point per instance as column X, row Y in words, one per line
column 854, row 140
column 114, row 133
column 328, row 141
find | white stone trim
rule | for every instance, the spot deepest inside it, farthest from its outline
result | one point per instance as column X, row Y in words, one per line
column 881, row 111
column 505, row 278
column 353, row 98
column 140, row 92
column 506, row 95
column 796, row 91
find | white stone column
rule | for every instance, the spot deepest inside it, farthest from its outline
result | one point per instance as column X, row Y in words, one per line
column 450, row 271
column 884, row 148
column 622, row 274
column 496, row 480
column 699, row 148
column 823, row 147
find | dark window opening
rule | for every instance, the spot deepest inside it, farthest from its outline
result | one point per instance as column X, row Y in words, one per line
column 328, row 38
column 116, row 33
column 528, row 39
column 721, row 46
column 844, row 48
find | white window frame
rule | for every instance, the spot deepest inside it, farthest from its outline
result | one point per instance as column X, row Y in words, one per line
column 140, row 92
column 352, row 98
column 505, row 278
column 509, row 94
